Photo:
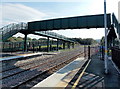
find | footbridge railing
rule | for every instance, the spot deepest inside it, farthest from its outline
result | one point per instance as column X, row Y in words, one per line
column 12, row 29
column 53, row 35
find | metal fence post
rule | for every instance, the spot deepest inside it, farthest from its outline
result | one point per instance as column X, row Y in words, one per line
column 84, row 52
column 33, row 48
column 88, row 52
column 39, row 47
column 50, row 46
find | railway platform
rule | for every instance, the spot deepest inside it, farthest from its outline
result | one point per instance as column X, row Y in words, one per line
column 13, row 56
column 92, row 76
column 112, row 79
column 63, row 76
column 19, row 56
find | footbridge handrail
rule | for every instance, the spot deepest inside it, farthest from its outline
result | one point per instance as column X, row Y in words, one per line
column 54, row 35
column 12, row 29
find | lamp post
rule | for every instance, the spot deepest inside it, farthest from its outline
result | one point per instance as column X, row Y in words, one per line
column 106, row 50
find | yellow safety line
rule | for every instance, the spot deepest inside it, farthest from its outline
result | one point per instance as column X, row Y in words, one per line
column 76, row 83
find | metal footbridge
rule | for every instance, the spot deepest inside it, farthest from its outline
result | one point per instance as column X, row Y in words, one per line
column 43, row 27
column 79, row 22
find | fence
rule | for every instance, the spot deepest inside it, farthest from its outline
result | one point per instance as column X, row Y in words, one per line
column 31, row 46
column 116, row 56
column 90, row 51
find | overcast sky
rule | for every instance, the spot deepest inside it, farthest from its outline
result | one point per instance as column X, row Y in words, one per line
column 33, row 10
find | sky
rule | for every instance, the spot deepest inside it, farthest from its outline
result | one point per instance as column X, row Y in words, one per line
column 13, row 11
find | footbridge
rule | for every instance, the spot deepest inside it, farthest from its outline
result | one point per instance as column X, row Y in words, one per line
column 79, row 22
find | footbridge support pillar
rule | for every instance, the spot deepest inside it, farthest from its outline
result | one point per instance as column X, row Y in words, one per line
column 63, row 44
column 25, row 43
column 73, row 45
column 57, row 44
column 68, row 45
column 48, row 42
column 51, row 41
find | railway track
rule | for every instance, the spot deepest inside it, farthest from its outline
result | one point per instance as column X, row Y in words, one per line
column 37, row 79
column 28, row 73
column 35, row 69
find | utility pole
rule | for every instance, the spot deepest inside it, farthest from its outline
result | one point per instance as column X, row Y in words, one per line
column 106, row 50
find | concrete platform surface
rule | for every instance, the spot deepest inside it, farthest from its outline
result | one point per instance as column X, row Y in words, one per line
column 62, row 77
column 96, row 66
column 98, row 79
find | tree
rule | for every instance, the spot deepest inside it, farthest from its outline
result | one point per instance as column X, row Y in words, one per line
column 19, row 39
column 11, row 39
column 29, row 39
column 42, row 39
column 87, row 41
column 34, row 39
column 102, row 41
